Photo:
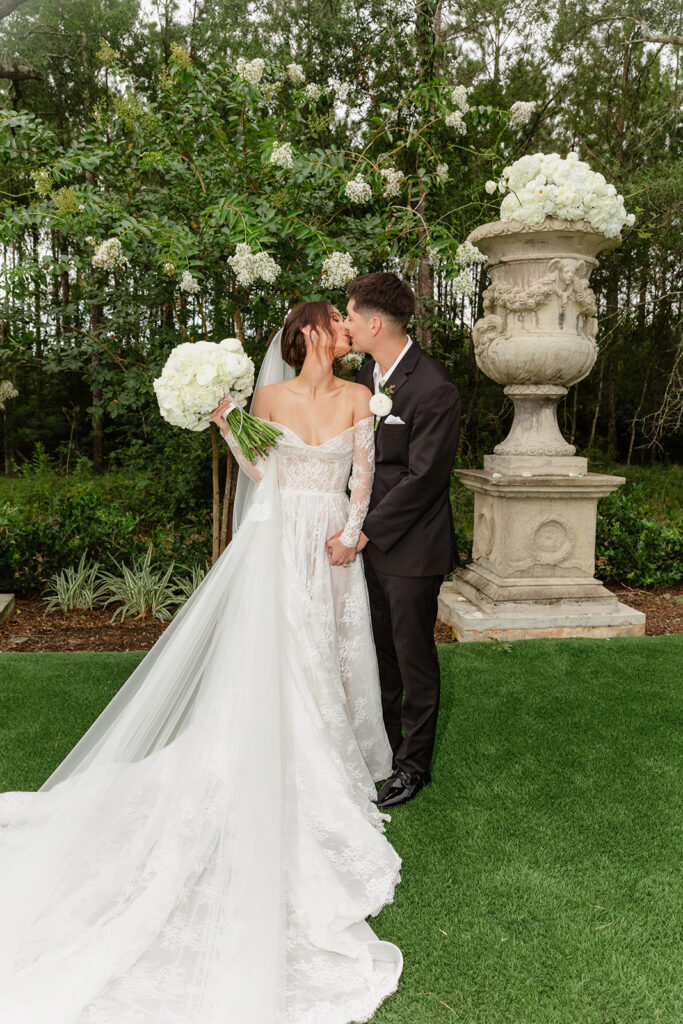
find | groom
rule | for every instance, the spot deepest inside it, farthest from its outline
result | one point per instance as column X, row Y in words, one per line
column 408, row 540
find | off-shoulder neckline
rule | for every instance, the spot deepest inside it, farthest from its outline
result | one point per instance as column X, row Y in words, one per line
column 328, row 441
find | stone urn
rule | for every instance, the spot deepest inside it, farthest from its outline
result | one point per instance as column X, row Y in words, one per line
column 532, row 572
column 538, row 332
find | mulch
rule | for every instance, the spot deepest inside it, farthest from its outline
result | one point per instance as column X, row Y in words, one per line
column 29, row 629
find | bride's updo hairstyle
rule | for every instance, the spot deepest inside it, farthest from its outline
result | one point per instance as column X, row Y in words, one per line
column 317, row 316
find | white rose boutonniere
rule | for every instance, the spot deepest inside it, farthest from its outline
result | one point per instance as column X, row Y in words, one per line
column 381, row 403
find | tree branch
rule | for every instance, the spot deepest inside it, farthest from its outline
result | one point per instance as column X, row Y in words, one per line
column 19, row 74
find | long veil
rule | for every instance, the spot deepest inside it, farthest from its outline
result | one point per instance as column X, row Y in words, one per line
column 273, row 371
column 155, row 799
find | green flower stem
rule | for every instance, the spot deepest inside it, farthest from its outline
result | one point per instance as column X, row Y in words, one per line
column 254, row 436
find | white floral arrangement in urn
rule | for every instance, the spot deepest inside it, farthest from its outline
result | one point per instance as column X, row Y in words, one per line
column 197, row 375
column 544, row 185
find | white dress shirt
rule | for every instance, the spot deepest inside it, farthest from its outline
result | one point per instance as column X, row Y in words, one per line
column 376, row 371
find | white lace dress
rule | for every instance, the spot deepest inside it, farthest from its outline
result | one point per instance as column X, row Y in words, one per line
column 214, row 854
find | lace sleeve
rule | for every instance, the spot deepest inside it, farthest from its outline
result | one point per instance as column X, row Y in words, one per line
column 254, row 470
column 361, row 479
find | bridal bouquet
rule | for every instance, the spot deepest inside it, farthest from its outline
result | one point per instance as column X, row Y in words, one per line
column 197, row 375
column 544, row 185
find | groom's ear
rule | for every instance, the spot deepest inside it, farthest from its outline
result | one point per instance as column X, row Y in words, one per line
column 375, row 325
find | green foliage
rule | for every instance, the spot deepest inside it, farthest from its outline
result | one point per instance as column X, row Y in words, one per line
column 140, row 589
column 630, row 547
column 73, row 587
column 137, row 590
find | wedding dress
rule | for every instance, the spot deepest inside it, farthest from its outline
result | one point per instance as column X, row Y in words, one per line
column 209, row 851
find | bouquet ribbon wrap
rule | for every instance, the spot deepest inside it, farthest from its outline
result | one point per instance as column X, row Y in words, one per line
column 254, row 436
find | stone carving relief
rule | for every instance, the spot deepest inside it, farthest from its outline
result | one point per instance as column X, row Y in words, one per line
column 565, row 277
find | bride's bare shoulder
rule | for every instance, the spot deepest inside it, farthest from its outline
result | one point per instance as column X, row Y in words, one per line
column 263, row 399
column 359, row 399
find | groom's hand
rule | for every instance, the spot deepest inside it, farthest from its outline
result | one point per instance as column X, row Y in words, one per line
column 338, row 552
column 362, row 542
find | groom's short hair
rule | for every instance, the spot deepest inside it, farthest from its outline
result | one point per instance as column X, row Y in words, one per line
column 383, row 294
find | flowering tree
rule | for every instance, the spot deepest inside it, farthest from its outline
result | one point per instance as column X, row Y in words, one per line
column 237, row 192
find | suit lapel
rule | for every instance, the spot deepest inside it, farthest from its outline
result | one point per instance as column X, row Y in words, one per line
column 400, row 375
column 403, row 370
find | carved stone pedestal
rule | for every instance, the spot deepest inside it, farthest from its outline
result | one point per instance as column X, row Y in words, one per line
column 533, row 560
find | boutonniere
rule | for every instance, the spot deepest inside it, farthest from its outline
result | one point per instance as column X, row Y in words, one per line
column 381, row 403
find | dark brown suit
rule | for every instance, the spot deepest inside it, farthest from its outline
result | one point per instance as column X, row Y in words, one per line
column 412, row 546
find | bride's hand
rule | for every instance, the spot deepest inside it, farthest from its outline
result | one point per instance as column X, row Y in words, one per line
column 338, row 552
column 217, row 414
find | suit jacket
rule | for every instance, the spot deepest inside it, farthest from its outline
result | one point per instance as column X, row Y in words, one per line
column 409, row 522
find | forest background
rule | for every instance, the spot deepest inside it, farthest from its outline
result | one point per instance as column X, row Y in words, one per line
column 127, row 119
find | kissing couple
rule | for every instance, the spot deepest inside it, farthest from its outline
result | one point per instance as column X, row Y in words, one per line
column 211, row 848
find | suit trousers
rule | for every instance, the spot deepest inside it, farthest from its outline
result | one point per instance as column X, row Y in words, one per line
column 403, row 611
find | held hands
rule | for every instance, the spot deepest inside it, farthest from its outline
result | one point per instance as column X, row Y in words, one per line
column 338, row 552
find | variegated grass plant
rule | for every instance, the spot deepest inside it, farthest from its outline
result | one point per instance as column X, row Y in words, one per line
column 138, row 589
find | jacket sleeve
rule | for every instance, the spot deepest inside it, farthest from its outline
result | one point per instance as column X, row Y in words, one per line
column 432, row 448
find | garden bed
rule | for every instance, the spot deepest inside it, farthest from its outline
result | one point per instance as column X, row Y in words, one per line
column 29, row 629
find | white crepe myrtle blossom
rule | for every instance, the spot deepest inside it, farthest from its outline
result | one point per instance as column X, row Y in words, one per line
column 544, row 185
column 295, row 74
column 455, row 120
column 358, row 190
column 313, row 92
column 466, row 253
column 169, row 268
column 42, row 181
column 251, row 266
column 352, row 360
column 459, row 99
column 491, row 187
column 282, row 155
column 442, row 171
column 7, row 391
column 251, row 71
column 270, row 90
column 521, row 112
column 434, row 257
column 341, row 89
column 188, row 283
column 109, row 255
column 463, row 283
column 338, row 270
column 393, row 179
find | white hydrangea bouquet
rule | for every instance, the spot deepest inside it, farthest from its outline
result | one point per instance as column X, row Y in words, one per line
column 544, row 185
column 197, row 375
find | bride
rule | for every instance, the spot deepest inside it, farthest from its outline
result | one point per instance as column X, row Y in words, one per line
column 210, row 849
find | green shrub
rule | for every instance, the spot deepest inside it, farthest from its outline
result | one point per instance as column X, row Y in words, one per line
column 37, row 541
column 632, row 547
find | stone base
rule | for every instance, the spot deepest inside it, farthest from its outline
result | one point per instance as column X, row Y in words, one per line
column 7, row 603
column 600, row 618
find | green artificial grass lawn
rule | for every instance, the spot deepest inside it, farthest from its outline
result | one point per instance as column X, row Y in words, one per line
column 541, row 878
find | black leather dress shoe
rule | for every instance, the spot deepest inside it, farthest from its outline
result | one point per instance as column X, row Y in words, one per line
column 402, row 787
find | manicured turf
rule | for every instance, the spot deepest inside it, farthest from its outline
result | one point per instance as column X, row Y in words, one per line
column 542, row 868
